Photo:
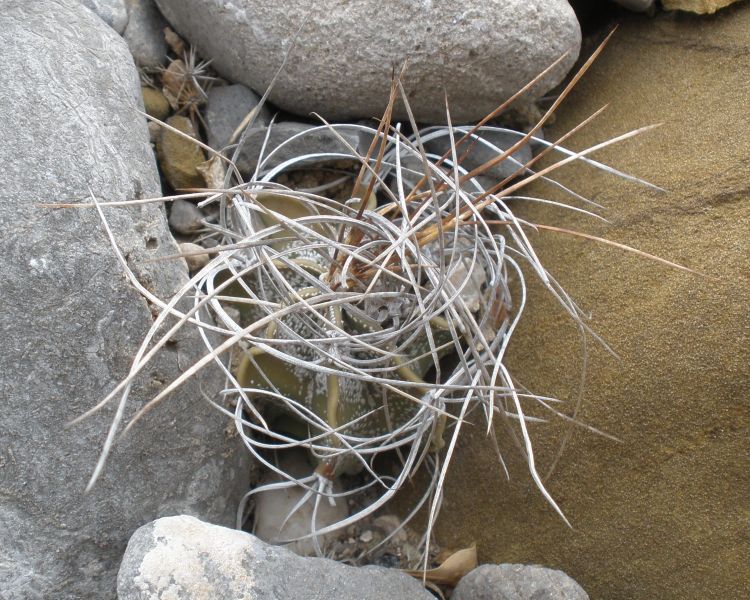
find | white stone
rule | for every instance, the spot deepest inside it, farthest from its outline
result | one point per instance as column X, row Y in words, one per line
column 276, row 521
column 182, row 557
column 472, row 280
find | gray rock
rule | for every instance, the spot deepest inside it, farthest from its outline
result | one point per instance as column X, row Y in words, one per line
column 112, row 12
column 182, row 557
column 636, row 5
column 479, row 52
column 319, row 141
column 144, row 33
column 274, row 520
column 227, row 106
column 700, row 7
column 185, row 217
column 517, row 582
column 71, row 323
column 195, row 256
column 479, row 151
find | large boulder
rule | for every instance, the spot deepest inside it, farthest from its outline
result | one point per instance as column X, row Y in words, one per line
column 663, row 514
column 182, row 557
column 345, row 52
column 71, row 322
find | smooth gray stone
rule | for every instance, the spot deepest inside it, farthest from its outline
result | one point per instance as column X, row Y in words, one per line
column 185, row 217
column 636, row 5
column 315, row 142
column 71, row 322
column 144, row 33
column 478, row 51
column 478, row 153
column 112, row 12
column 182, row 557
column 227, row 106
column 517, row 582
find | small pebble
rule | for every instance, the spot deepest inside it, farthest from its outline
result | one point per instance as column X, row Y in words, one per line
column 195, row 262
column 388, row 524
column 112, row 12
column 179, row 157
column 274, row 506
column 155, row 103
column 479, row 152
column 701, row 7
column 144, row 34
column 233, row 313
column 209, row 242
column 185, row 217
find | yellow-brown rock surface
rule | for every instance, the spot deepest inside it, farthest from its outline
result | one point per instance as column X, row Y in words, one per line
column 155, row 103
column 179, row 158
column 701, row 7
column 665, row 514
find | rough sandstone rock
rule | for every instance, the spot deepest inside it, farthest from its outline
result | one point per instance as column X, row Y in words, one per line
column 345, row 53
column 664, row 513
column 182, row 557
column 71, row 322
